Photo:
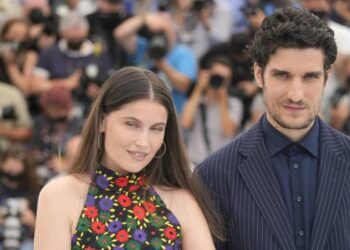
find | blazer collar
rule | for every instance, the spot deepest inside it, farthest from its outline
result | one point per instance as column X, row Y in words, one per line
column 331, row 182
column 258, row 175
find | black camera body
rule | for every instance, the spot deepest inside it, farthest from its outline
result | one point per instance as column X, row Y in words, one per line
column 249, row 10
column 8, row 113
column 163, row 5
column 158, row 46
column 11, row 228
column 216, row 81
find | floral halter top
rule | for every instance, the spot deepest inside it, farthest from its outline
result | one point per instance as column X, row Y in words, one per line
column 116, row 216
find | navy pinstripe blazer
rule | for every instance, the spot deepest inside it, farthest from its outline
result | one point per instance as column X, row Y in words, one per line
column 247, row 193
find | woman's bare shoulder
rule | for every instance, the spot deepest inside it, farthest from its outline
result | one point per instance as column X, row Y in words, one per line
column 67, row 187
column 180, row 201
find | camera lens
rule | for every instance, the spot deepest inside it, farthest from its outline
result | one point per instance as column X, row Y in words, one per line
column 7, row 113
column 216, row 81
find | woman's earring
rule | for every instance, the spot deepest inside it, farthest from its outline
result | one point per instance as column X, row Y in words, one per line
column 99, row 141
column 163, row 153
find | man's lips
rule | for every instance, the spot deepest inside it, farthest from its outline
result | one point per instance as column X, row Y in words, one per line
column 294, row 108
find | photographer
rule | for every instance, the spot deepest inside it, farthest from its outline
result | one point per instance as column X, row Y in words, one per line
column 109, row 15
column 19, row 190
column 16, row 54
column 340, row 110
column 211, row 115
column 64, row 63
column 53, row 128
column 15, row 121
column 200, row 23
column 157, row 49
column 242, row 85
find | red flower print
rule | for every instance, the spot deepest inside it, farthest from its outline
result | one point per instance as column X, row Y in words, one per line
column 139, row 212
column 133, row 188
column 121, row 181
column 170, row 233
column 124, row 200
column 91, row 212
column 141, row 181
column 89, row 248
column 122, row 236
column 98, row 227
column 150, row 207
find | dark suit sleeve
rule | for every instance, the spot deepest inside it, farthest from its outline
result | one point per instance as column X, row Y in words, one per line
column 208, row 179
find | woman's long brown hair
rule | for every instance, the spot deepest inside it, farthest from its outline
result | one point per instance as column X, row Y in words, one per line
column 173, row 169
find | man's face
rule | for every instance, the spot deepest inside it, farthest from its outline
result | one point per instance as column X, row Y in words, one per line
column 75, row 34
column 292, row 82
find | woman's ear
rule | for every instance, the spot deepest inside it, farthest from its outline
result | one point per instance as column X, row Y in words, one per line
column 102, row 125
column 258, row 75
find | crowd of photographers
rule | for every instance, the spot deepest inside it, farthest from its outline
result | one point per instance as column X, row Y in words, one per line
column 56, row 54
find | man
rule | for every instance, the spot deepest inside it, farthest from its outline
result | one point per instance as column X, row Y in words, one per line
column 284, row 184
column 212, row 116
column 74, row 62
column 109, row 14
column 156, row 49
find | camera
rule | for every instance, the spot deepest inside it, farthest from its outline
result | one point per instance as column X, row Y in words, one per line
column 8, row 113
column 11, row 228
column 199, row 5
column 163, row 5
column 249, row 10
column 158, row 46
column 92, row 73
column 115, row 1
column 216, row 81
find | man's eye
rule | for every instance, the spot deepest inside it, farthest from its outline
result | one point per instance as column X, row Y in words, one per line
column 311, row 77
column 281, row 75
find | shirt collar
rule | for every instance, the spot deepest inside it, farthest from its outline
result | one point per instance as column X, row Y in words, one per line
column 276, row 142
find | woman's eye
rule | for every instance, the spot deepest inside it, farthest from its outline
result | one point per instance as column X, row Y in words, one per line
column 131, row 124
column 158, row 129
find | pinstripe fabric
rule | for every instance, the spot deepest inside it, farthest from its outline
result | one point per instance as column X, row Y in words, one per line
column 247, row 193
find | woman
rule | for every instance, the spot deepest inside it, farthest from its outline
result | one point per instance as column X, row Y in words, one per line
column 17, row 57
column 19, row 189
column 129, row 185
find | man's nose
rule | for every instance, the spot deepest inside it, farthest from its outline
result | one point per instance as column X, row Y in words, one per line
column 295, row 91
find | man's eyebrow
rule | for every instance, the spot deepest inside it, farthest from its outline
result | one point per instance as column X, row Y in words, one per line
column 314, row 73
column 274, row 71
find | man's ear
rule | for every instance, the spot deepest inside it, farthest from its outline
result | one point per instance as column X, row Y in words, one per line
column 258, row 75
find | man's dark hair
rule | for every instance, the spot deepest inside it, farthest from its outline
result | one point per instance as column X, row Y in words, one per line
column 292, row 28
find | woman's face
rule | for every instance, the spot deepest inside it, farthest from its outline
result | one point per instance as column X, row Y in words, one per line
column 12, row 166
column 133, row 135
column 17, row 32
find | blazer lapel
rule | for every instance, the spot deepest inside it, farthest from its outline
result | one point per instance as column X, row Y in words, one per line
column 331, row 181
column 262, row 183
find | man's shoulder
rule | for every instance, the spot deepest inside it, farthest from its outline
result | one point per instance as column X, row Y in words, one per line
column 229, row 154
column 333, row 136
